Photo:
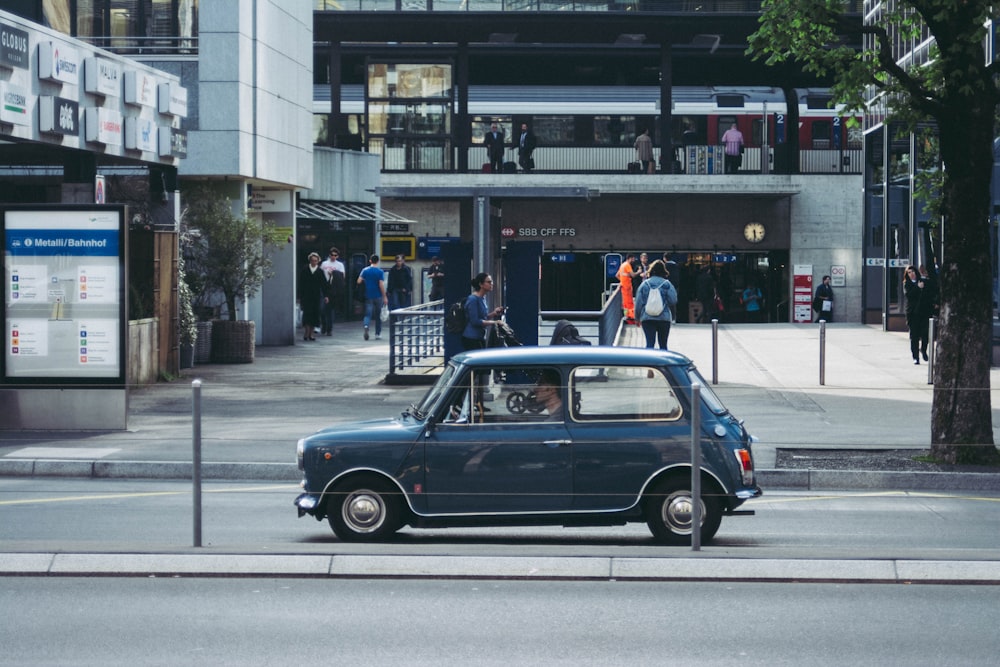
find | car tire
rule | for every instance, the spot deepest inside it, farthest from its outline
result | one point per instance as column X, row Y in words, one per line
column 365, row 510
column 668, row 513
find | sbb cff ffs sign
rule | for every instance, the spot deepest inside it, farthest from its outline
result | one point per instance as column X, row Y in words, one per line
column 534, row 232
column 507, row 232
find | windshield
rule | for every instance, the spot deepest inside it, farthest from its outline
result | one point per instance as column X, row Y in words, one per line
column 708, row 397
column 434, row 394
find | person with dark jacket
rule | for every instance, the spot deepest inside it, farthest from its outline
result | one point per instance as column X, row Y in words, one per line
column 823, row 301
column 313, row 295
column 525, row 147
column 495, row 147
column 919, row 310
column 400, row 285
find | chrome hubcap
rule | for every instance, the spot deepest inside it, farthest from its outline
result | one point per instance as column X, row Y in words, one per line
column 364, row 511
column 677, row 510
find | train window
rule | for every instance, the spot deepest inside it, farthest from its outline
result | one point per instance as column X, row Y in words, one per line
column 481, row 125
column 821, row 134
column 818, row 101
column 615, row 130
column 553, row 130
column 398, row 80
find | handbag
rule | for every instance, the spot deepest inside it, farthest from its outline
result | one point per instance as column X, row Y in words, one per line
column 384, row 315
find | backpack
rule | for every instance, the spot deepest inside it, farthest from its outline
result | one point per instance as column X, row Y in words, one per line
column 654, row 303
column 456, row 318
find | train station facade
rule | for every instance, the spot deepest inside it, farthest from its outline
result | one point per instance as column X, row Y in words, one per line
column 420, row 88
column 411, row 88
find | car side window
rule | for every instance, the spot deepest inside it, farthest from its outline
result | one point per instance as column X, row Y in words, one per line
column 618, row 393
column 507, row 395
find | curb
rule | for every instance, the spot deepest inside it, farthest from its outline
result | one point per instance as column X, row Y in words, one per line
column 372, row 566
column 809, row 480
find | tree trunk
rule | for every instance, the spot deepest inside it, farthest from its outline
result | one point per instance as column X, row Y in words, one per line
column 961, row 417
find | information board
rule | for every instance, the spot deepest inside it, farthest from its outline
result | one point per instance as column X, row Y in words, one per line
column 64, row 305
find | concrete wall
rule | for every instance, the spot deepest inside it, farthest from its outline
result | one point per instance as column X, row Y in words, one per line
column 828, row 230
column 343, row 176
column 254, row 92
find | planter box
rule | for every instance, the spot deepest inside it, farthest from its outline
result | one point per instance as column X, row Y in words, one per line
column 233, row 342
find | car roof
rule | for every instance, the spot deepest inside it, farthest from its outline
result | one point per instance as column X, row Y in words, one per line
column 571, row 355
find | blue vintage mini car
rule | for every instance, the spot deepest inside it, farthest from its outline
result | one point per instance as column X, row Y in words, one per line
column 559, row 435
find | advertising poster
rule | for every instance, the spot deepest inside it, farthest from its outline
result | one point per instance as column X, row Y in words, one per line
column 802, row 291
column 64, row 308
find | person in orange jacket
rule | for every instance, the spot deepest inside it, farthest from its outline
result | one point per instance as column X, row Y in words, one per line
column 624, row 276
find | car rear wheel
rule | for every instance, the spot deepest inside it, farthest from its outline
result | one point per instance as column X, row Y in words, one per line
column 365, row 510
column 669, row 508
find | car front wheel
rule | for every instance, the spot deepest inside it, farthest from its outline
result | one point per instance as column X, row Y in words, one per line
column 668, row 513
column 365, row 510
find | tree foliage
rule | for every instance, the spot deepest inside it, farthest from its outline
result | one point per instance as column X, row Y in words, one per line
column 954, row 89
column 223, row 251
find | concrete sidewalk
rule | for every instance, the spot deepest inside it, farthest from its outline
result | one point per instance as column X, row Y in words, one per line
column 872, row 397
column 691, row 566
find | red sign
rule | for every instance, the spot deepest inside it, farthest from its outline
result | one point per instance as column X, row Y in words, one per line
column 507, row 232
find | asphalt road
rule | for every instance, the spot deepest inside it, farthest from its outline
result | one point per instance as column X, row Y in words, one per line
column 178, row 621
column 147, row 516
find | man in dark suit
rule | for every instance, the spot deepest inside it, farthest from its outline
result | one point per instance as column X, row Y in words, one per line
column 494, row 148
column 525, row 147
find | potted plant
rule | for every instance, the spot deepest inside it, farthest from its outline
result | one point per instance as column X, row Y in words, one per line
column 228, row 255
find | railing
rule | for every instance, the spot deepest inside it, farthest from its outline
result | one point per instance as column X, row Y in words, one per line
column 663, row 6
column 615, row 160
column 146, row 46
column 701, row 6
column 416, row 343
column 416, row 336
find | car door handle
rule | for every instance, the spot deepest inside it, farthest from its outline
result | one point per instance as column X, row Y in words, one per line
column 557, row 443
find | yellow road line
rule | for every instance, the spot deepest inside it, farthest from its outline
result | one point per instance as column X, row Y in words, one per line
column 149, row 494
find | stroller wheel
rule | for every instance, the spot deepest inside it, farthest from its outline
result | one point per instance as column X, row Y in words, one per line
column 516, row 402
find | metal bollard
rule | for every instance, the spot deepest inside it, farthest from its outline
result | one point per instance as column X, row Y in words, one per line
column 715, row 351
column 696, row 466
column 932, row 348
column 822, row 352
column 196, row 459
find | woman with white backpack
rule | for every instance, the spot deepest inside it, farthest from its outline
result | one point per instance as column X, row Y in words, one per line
column 655, row 302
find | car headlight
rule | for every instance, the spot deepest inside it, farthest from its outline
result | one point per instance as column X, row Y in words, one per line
column 300, row 450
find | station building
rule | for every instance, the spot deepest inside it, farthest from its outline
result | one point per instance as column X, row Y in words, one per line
column 419, row 85
column 361, row 126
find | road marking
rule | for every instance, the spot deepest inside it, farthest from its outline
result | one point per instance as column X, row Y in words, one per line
column 876, row 494
column 147, row 494
column 60, row 453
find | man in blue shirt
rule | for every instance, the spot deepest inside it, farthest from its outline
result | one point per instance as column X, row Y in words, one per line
column 373, row 278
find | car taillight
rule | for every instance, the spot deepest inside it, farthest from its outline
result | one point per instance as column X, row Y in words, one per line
column 745, row 459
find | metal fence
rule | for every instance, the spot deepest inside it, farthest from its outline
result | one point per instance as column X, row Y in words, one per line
column 416, row 343
column 416, row 336
column 615, row 159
